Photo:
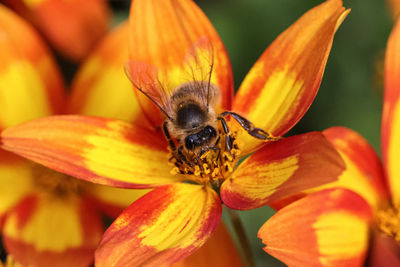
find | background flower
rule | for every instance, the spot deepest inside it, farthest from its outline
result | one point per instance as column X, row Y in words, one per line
column 63, row 22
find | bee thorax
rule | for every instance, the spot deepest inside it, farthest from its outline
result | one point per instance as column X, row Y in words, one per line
column 190, row 116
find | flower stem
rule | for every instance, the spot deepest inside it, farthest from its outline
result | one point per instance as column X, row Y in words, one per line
column 245, row 249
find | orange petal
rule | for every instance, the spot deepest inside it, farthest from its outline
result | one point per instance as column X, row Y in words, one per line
column 391, row 113
column 73, row 27
column 282, row 84
column 43, row 231
column 170, row 27
column 15, row 183
column 218, row 250
column 112, row 200
column 30, row 82
column 162, row 227
column 282, row 169
column 327, row 228
column 99, row 150
column 364, row 174
column 394, row 7
column 101, row 88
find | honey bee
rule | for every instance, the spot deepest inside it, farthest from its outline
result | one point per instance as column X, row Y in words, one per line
column 189, row 108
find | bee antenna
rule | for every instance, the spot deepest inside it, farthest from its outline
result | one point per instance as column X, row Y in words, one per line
column 209, row 75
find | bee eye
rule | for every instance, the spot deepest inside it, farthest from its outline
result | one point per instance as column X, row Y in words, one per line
column 210, row 131
column 190, row 142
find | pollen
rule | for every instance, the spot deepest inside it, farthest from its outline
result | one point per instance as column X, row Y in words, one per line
column 388, row 221
column 215, row 164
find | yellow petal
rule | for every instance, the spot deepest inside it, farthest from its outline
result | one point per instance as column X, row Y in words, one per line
column 101, row 88
column 30, row 83
column 96, row 149
column 15, row 183
column 391, row 113
column 282, row 84
column 50, row 231
column 171, row 27
column 162, row 227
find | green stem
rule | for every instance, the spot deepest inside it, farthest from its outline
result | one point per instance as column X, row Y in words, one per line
column 245, row 249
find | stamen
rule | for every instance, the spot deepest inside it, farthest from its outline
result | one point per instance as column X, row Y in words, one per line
column 213, row 165
column 388, row 221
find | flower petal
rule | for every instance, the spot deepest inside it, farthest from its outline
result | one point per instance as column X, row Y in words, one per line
column 218, row 250
column 282, row 169
column 364, row 174
column 99, row 150
column 391, row 113
column 101, row 88
column 71, row 26
column 112, row 200
column 171, row 27
column 327, row 228
column 394, row 8
column 15, row 183
column 48, row 231
column 30, row 82
column 282, row 84
column 162, row 227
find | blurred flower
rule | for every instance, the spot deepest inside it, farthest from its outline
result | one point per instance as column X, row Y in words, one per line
column 335, row 224
column 177, row 217
column 394, row 7
column 72, row 27
column 48, row 218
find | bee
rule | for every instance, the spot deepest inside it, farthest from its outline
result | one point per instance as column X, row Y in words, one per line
column 189, row 108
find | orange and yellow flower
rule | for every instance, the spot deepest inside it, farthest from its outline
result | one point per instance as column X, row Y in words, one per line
column 51, row 219
column 48, row 218
column 359, row 215
column 63, row 22
column 182, row 212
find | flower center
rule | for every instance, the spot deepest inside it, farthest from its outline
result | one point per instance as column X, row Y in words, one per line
column 388, row 221
column 213, row 166
column 56, row 183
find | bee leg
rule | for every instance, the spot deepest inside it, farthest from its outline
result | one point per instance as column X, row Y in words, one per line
column 249, row 127
column 169, row 139
column 228, row 140
column 183, row 157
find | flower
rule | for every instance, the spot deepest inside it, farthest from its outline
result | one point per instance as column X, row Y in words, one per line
column 48, row 218
column 63, row 22
column 181, row 213
column 394, row 8
column 67, row 207
column 362, row 207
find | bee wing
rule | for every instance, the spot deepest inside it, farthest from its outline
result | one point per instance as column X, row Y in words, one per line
column 145, row 78
column 198, row 65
